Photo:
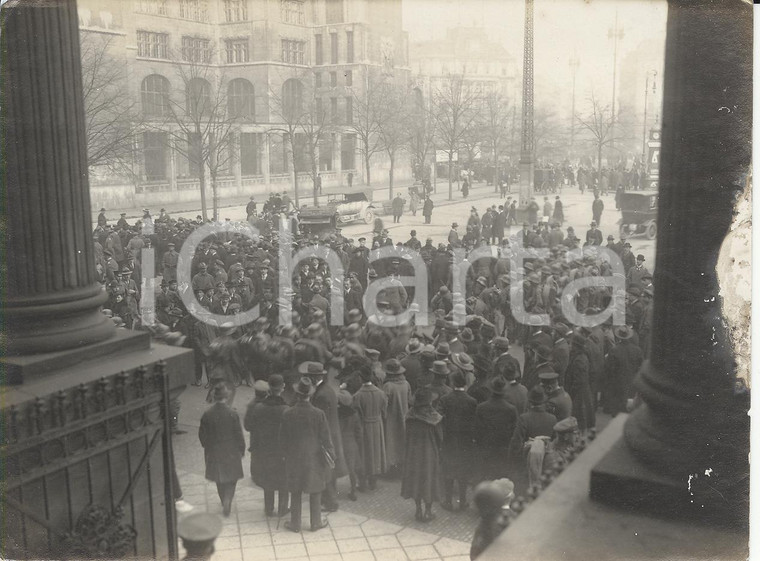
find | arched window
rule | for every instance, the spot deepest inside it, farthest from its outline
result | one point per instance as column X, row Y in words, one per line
column 240, row 99
column 198, row 97
column 292, row 98
column 154, row 94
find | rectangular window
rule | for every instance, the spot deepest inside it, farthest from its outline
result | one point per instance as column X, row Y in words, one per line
column 349, row 111
column 196, row 10
column 151, row 7
column 349, row 46
column 326, row 153
column 250, row 163
column 293, row 51
column 152, row 45
column 291, row 11
column 278, row 161
column 320, row 109
column 318, row 50
column 349, row 78
column 347, row 152
column 195, row 49
column 154, row 155
column 333, row 48
column 237, row 50
column 334, row 109
column 317, row 79
column 333, row 79
column 235, row 10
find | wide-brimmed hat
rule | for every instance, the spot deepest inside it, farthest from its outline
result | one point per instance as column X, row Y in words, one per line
column 443, row 349
column 463, row 361
column 498, row 385
column 568, row 424
column 537, row 396
column 623, row 332
column 311, row 368
column 414, row 346
column 467, row 335
column 440, row 368
column 393, row 367
column 304, row 387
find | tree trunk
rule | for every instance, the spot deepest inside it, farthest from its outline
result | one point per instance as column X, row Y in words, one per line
column 295, row 172
column 451, row 186
column 390, row 179
column 214, row 197
column 599, row 167
column 366, row 163
column 202, row 183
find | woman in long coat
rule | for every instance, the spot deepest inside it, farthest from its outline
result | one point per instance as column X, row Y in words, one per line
column 578, row 384
column 221, row 436
column 424, row 437
column 399, row 394
column 372, row 404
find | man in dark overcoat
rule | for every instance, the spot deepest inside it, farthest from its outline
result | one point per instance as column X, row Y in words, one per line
column 262, row 420
column 495, row 421
column 623, row 362
column 372, row 404
column 221, row 436
column 457, row 451
column 305, row 437
column 559, row 402
column 326, row 399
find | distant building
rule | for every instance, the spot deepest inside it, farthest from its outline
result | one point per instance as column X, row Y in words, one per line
column 262, row 55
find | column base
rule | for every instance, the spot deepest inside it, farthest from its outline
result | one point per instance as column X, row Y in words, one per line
column 56, row 321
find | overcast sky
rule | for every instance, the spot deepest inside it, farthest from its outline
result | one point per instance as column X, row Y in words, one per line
column 562, row 27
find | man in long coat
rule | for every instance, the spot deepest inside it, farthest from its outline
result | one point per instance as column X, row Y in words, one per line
column 399, row 394
column 535, row 422
column 457, row 451
column 326, row 399
column 305, row 437
column 223, row 444
column 262, row 420
column 578, row 383
column 372, row 406
column 623, row 362
column 495, row 421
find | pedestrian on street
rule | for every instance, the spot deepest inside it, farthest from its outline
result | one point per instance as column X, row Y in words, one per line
column 532, row 210
column 427, row 209
column 596, row 209
column 457, row 449
column 397, row 205
column 372, row 405
column 424, row 437
column 414, row 199
column 262, row 420
column 559, row 211
column 306, row 440
column 221, row 437
column 399, row 394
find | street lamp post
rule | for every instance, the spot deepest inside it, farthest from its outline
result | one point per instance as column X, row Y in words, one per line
column 646, row 95
column 574, row 64
column 528, row 143
column 614, row 33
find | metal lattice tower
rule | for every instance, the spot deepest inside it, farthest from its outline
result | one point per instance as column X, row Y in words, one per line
column 527, row 148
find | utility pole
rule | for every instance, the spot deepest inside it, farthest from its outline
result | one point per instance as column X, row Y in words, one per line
column 646, row 95
column 528, row 142
column 614, row 34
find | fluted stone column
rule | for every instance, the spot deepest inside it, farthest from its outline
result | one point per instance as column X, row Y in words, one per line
column 691, row 432
column 52, row 295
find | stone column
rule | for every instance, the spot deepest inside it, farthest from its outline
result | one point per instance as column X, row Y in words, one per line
column 691, row 429
column 53, row 297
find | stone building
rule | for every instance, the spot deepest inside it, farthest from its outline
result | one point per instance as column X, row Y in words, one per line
column 251, row 62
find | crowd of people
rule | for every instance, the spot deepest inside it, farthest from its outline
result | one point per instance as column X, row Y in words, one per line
column 442, row 407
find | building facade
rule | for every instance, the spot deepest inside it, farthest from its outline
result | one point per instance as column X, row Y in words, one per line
column 225, row 82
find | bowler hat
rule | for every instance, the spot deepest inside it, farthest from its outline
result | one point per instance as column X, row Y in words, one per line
column 442, row 349
column 498, row 385
column 393, row 367
column 500, row 343
column 261, row 386
column 413, row 346
column 463, row 361
column 537, row 396
column 623, row 332
column 304, row 387
column 440, row 368
column 199, row 527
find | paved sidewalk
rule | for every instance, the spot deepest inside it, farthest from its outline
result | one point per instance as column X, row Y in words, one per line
column 248, row 535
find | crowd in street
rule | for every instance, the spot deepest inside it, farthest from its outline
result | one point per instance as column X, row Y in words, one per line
column 440, row 407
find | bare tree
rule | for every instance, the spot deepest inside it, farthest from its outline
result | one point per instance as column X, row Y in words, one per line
column 454, row 108
column 111, row 115
column 496, row 127
column 392, row 125
column 421, row 132
column 200, row 125
column 367, row 103
column 599, row 124
column 304, row 122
